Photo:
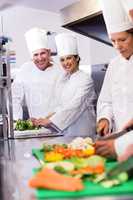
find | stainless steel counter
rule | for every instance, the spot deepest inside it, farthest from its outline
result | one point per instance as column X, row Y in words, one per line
column 16, row 163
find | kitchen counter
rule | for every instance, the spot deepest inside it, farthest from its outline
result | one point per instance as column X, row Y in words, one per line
column 16, row 163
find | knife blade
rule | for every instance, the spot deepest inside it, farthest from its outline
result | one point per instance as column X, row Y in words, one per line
column 125, row 166
column 113, row 135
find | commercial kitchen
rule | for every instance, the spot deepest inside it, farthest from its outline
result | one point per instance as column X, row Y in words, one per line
column 25, row 139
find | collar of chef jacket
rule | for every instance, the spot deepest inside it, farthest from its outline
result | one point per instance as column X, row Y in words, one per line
column 65, row 77
column 127, row 61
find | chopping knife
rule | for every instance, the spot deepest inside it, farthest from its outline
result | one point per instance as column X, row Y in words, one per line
column 118, row 174
column 125, row 166
column 114, row 135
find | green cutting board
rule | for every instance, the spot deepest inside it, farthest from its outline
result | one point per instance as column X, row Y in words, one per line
column 90, row 189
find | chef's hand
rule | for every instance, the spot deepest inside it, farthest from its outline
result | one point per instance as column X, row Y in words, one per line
column 103, row 127
column 105, row 148
column 128, row 153
column 50, row 115
column 128, row 125
column 41, row 122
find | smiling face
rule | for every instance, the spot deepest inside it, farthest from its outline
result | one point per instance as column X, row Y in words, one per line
column 41, row 58
column 123, row 42
column 70, row 63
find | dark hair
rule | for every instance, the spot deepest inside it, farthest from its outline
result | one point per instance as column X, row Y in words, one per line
column 130, row 31
column 77, row 57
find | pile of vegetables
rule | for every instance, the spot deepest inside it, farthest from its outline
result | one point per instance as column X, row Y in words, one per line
column 22, row 125
column 74, row 161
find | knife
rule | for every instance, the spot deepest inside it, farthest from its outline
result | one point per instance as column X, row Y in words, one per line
column 114, row 135
column 125, row 166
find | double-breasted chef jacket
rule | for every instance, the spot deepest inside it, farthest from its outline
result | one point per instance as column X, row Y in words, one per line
column 74, row 113
column 36, row 89
column 116, row 98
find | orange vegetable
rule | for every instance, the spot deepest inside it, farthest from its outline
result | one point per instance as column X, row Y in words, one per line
column 99, row 169
column 50, row 179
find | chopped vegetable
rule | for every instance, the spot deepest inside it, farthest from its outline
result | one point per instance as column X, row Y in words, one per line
column 68, row 166
column 50, row 179
column 53, row 156
column 47, row 148
column 60, row 169
column 122, row 177
column 22, row 125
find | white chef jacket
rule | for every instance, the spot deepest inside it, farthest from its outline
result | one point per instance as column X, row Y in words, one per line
column 36, row 88
column 116, row 98
column 123, row 142
column 74, row 113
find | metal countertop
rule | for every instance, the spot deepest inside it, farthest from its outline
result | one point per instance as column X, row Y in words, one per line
column 16, row 163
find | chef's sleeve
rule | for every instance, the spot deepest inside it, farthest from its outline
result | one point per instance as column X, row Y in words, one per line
column 17, row 99
column 70, row 111
column 104, row 104
column 123, row 142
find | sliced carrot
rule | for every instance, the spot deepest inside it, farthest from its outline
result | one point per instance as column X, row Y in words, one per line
column 50, row 179
column 99, row 169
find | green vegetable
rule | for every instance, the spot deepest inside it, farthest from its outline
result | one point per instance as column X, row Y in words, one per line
column 47, row 148
column 22, row 125
column 122, row 177
column 95, row 160
column 109, row 183
column 79, row 162
column 65, row 145
column 60, row 169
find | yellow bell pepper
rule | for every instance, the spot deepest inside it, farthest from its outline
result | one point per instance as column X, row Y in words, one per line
column 89, row 151
column 53, row 156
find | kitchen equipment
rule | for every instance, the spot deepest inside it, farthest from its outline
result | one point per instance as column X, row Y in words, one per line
column 85, row 17
column 5, row 90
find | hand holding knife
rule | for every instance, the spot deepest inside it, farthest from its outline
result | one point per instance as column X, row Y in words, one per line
column 114, row 135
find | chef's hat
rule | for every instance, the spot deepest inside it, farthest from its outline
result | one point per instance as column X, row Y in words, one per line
column 128, row 6
column 36, row 39
column 66, row 44
column 115, row 16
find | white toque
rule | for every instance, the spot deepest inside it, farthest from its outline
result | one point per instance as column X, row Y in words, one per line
column 66, row 44
column 115, row 16
column 36, row 39
column 128, row 6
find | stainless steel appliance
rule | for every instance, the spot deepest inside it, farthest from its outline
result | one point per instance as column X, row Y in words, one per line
column 6, row 114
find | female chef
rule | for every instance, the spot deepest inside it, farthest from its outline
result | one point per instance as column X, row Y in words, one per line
column 115, row 103
column 74, row 95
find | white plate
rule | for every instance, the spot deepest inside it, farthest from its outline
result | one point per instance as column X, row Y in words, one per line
column 42, row 132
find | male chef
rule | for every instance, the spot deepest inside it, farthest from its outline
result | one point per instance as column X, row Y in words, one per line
column 36, row 80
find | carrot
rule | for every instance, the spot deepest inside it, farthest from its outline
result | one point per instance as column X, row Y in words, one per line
column 50, row 179
column 99, row 169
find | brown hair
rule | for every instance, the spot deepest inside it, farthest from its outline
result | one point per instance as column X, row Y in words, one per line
column 130, row 31
column 77, row 57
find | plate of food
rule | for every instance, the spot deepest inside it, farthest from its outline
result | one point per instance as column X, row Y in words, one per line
column 26, row 129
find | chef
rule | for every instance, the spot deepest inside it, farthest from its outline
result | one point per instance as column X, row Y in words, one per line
column 115, row 103
column 35, row 82
column 74, row 114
